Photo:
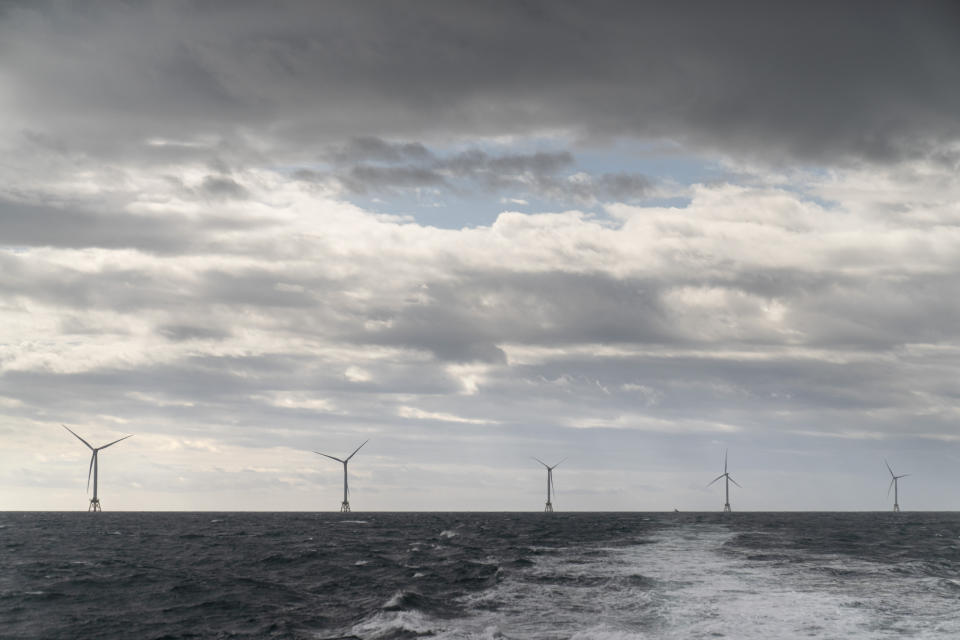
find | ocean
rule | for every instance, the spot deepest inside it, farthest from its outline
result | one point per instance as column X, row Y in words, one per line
column 577, row 576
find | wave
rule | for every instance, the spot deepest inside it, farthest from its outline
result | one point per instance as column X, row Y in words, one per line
column 391, row 624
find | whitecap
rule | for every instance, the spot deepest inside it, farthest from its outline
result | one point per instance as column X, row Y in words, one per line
column 395, row 600
column 389, row 624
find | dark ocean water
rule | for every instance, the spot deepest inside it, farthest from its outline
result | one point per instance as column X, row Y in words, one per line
column 581, row 576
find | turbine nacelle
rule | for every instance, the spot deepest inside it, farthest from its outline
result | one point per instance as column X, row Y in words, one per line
column 727, row 476
column 549, row 468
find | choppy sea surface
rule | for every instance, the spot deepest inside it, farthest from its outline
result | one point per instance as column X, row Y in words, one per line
column 486, row 576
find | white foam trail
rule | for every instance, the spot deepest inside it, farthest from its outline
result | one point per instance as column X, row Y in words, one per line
column 684, row 586
column 705, row 593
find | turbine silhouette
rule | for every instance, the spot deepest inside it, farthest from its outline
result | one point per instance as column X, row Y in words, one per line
column 726, row 503
column 550, row 487
column 345, row 505
column 895, row 485
column 94, row 501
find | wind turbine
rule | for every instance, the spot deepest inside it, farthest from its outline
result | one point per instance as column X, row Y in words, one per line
column 726, row 504
column 550, row 488
column 895, row 485
column 345, row 505
column 94, row 501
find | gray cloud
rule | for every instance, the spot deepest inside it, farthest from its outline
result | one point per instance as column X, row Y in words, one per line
column 474, row 162
column 176, row 258
column 369, row 148
column 79, row 225
column 179, row 332
column 861, row 80
column 411, row 166
column 365, row 178
column 223, row 187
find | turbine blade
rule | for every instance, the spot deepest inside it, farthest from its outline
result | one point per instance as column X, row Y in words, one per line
column 717, row 478
column 331, row 457
column 904, row 475
column 115, row 442
column 724, row 460
column 890, row 488
column 558, row 464
column 888, row 466
column 78, row 437
column 90, row 471
column 541, row 461
column 734, row 481
column 357, row 449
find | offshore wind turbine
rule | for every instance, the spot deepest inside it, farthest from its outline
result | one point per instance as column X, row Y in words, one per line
column 345, row 505
column 550, row 487
column 726, row 502
column 94, row 501
column 895, row 485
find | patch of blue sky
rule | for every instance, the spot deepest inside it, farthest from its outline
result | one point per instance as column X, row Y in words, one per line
column 660, row 161
column 447, row 210
column 465, row 203
column 656, row 159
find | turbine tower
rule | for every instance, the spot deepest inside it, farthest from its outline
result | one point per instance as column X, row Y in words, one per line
column 345, row 505
column 94, row 501
column 895, row 485
column 550, row 488
column 726, row 503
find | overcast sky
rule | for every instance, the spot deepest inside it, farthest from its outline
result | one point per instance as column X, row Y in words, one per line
column 632, row 235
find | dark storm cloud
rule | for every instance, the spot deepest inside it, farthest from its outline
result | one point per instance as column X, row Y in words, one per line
column 875, row 80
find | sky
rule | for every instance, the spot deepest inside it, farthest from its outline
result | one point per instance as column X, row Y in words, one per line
column 629, row 235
